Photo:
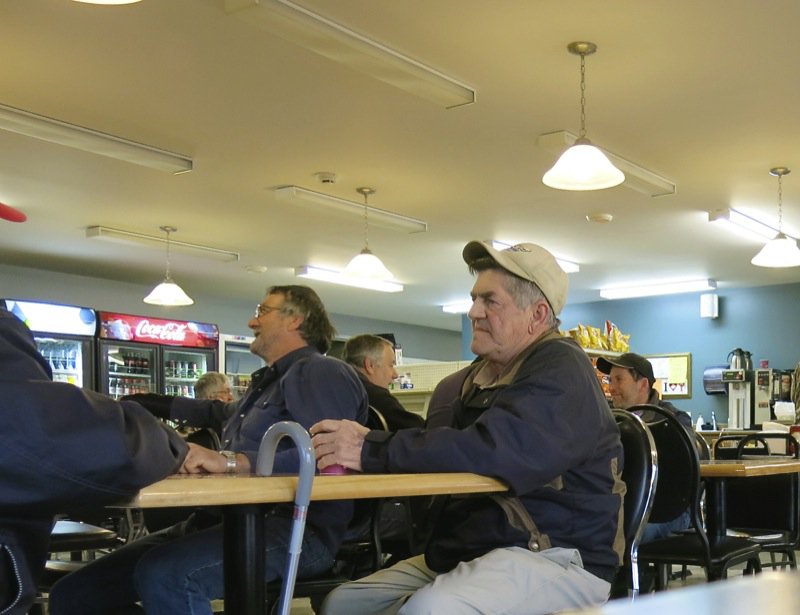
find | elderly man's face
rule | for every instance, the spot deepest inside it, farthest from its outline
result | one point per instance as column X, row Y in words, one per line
column 383, row 372
column 500, row 329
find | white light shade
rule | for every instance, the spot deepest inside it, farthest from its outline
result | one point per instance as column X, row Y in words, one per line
column 336, row 277
column 652, row 290
column 779, row 252
column 583, row 167
column 168, row 293
column 366, row 265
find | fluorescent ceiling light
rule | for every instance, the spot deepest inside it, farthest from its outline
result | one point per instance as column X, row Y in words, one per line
column 321, row 35
column 377, row 217
column 459, row 307
column 651, row 290
column 742, row 224
column 636, row 177
column 131, row 237
column 336, row 277
column 567, row 266
column 93, row 141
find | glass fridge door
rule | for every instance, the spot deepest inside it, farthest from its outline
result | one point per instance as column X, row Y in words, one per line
column 239, row 363
column 70, row 359
column 127, row 369
column 182, row 368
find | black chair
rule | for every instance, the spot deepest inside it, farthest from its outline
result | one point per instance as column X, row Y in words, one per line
column 727, row 446
column 767, row 508
column 678, row 490
column 640, row 474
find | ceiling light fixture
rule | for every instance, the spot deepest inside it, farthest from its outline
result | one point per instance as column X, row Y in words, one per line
column 663, row 288
column 168, row 293
column 636, row 176
column 458, row 307
column 337, row 277
column 89, row 140
column 780, row 251
column 336, row 42
column 583, row 166
column 365, row 264
column 130, row 237
column 742, row 224
column 378, row 217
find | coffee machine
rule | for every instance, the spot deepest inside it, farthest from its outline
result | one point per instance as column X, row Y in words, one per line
column 769, row 386
column 739, row 383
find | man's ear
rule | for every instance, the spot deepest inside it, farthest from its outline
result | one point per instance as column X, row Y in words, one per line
column 294, row 322
column 369, row 366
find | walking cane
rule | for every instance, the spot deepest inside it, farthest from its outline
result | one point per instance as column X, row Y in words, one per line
column 264, row 463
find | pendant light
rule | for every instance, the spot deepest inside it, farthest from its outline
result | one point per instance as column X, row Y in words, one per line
column 365, row 264
column 583, row 166
column 780, row 251
column 168, row 293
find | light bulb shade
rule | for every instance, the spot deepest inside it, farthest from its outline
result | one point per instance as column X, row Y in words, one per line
column 583, row 167
column 367, row 265
column 782, row 251
column 168, row 293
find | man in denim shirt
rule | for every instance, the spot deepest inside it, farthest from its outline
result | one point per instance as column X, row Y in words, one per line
column 179, row 570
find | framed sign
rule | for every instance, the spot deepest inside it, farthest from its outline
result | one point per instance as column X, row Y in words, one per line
column 673, row 374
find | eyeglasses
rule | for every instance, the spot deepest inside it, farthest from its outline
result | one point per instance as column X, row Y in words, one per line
column 262, row 310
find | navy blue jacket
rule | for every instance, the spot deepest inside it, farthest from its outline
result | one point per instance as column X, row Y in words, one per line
column 302, row 386
column 62, row 447
column 548, row 433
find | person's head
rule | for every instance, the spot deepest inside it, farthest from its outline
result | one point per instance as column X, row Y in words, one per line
column 516, row 298
column 213, row 385
column 630, row 378
column 373, row 356
column 290, row 317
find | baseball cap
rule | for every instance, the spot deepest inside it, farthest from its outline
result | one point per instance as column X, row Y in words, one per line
column 529, row 262
column 629, row 360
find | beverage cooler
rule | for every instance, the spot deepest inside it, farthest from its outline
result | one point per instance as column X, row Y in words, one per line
column 237, row 362
column 64, row 336
column 137, row 354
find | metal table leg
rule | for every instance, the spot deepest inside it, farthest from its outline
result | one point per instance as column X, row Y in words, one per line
column 243, row 557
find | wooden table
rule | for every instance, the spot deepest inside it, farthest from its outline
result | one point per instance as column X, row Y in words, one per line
column 716, row 472
column 243, row 499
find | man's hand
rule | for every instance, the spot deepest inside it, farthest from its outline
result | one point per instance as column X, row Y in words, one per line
column 200, row 460
column 338, row 442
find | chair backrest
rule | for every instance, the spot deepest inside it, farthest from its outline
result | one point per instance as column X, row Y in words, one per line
column 640, row 474
column 767, row 443
column 703, row 449
column 376, row 420
column 678, row 468
column 727, row 445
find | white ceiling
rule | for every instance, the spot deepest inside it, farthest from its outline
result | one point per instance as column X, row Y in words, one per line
column 704, row 93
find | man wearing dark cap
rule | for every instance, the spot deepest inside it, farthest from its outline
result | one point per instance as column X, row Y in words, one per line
column 631, row 383
column 553, row 541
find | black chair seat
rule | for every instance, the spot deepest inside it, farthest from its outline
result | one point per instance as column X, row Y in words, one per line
column 688, row 549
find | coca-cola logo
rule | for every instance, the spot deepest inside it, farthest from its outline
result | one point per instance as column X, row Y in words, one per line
column 170, row 331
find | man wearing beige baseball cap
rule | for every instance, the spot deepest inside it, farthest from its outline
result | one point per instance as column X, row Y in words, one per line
column 520, row 413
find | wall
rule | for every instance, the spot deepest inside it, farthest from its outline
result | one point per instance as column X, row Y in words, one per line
column 231, row 317
column 761, row 320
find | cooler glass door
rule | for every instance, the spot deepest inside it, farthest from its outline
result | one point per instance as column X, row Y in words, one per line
column 127, row 369
column 69, row 358
column 239, row 364
column 182, row 368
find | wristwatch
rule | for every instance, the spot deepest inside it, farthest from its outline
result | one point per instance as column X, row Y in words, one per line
column 230, row 461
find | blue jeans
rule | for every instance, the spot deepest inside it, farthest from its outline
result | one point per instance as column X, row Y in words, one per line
column 175, row 571
column 657, row 531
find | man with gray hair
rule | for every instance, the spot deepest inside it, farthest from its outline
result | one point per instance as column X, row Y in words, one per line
column 373, row 359
column 213, row 385
column 521, row 414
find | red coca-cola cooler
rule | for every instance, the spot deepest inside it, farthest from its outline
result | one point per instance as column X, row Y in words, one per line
column 139, row 354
